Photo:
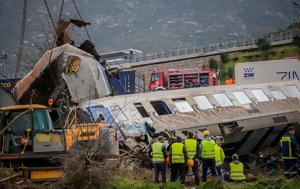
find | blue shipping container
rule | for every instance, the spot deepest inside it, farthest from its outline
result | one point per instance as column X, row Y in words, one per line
column 124, row 83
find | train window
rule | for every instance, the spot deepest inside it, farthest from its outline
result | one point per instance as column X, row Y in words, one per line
column 260, row 95
column 182, row 105
column 223, row 100
column 293, row 91
column 117, row 113
column 140, row 108
column 241, row 97
column 203, row 102
column 278, row 95
column 160, row 107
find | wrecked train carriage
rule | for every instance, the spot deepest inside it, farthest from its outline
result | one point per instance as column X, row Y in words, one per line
column 250, row 117
column 65, row 74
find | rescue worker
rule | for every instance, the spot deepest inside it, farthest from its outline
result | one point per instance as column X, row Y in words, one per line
column 236, row 169
column 208, row 155
column 289, row 151
column 159, row 155
column 229, row 81
column 193, row 153
column 178, row 157
column 219, row 157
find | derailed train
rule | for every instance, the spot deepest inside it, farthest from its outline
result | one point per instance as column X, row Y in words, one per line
column 250, row 117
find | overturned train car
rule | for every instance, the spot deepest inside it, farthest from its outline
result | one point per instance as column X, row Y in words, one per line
column 250, row 117
column 65, row 74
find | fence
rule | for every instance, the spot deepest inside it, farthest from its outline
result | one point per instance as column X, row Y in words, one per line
column 281, row 37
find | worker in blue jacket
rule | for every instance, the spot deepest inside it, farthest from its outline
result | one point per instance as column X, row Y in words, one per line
column 289, row 152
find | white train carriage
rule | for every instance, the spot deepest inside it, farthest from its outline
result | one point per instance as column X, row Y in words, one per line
column 250, row 117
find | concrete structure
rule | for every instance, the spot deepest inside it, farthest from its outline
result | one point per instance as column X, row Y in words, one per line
column 194, row 56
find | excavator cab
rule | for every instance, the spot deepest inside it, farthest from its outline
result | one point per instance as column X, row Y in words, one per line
column 27, row 130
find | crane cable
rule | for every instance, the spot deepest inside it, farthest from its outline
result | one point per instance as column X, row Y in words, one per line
column 54, row 38
column 50, row 15
column 21, row 39
column 75, row 5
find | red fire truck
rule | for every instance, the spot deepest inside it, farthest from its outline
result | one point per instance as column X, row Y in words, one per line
column 183, row 78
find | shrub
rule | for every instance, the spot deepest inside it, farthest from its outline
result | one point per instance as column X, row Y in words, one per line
column 263, row 44
column 230, row 71
column 273, row 53
column 235, row 59
column 213, row 64
column 224, row 58
column 296, row 41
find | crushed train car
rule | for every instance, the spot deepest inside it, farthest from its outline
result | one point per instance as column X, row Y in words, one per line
column 65, row 74
column 250, row 117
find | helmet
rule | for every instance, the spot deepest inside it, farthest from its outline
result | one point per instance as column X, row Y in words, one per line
column 190, row 163
column 235, row 157
column 206, row 133
column 168, row 160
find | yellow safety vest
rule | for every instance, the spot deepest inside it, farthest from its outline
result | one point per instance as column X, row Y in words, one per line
column 208, row 149
column 219, row 155
column 191, row 147
column 177, row 153
column 157, row 153
column 237, row 171
column 287, row 139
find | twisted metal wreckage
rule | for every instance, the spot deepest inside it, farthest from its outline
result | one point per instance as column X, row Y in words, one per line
column 250, row 117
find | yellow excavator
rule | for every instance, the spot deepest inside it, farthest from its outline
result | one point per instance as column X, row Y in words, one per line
column 29, row 142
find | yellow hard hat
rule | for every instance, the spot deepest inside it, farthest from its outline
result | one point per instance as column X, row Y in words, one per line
column 206, row 133
column 190, row 163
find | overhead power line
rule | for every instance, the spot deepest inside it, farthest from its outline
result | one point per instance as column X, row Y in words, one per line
column 21, row 39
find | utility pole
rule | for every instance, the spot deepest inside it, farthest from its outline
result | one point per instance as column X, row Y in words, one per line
column 4, row 57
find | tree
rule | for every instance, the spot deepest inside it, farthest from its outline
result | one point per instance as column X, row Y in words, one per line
column 263, row 44
column 224, row 58
column 213, row 64
column 296, row 41
column 230, row 71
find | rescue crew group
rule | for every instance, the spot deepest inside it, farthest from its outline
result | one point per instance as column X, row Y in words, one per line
column 186, row 154
column 182, row 155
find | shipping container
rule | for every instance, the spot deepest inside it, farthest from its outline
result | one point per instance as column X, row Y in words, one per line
column 267, row 71
column 124, row 83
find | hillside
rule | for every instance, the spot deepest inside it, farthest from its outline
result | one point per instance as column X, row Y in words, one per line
column 140, row 24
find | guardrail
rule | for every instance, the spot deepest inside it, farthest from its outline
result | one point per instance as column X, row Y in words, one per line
column 242, row 43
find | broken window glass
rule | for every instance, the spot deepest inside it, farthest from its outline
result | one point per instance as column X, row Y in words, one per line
column 278, row 95
column 140, row 108
column 182, row 105
column 293, row 91
column 241, row 97
column 223, row 100
column 117, row 113
column 203, row 102
column 260, row 95
column 160, row 107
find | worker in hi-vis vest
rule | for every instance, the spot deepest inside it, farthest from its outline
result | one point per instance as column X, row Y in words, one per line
column 159, row 154
column 193, row 152
column 289, row 152
column 236, row 169
column 208, row 155
column 178, row 157
column 219, row 157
